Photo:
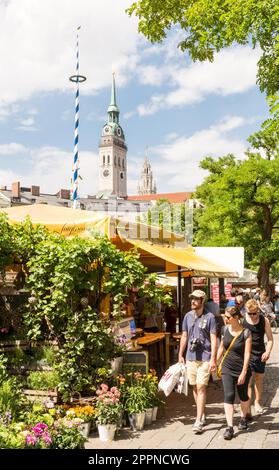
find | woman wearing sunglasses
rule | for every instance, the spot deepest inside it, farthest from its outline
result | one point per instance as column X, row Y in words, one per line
column 235, row 351
column 259, row 327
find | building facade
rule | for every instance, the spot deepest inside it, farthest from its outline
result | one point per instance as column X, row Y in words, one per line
column 146, row 183
column 112, row 154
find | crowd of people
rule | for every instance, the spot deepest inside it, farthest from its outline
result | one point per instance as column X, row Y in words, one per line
column 235, row 339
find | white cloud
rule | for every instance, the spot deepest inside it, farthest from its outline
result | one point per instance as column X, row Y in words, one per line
column 12, row 149
column 233, row 71
column 50, row 168
column 27, row 124
column 176, row 165
column 37, row 45
column 7, row 109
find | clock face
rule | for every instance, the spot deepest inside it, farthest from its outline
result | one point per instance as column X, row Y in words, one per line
column 119, row 132
column 106, row 129
column 105, row 173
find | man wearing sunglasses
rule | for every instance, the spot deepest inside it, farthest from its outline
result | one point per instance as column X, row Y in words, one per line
column 199, row 336
column 259, row 327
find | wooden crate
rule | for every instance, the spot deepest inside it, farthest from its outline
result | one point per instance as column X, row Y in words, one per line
column 42, row 395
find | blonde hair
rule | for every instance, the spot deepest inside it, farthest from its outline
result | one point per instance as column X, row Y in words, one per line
column 252, row 304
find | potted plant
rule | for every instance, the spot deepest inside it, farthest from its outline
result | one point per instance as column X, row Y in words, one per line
column 137, row 401
column 108, row 411
column 86, row 413
column 150, row 382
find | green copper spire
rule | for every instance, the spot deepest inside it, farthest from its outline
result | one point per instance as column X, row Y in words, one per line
column 113, row 109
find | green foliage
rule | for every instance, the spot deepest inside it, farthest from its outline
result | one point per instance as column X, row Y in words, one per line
column 64, row 437
column 11, row 397
column 211, row 25
column 88, row 346
column 175, row 218
column 137, row 399
column 45, row 380
column 11, row 438
column 241, row 199
column 153, row 294
column 3, row 368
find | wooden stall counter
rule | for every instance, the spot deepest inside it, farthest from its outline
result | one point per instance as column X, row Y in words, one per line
column 157, row 345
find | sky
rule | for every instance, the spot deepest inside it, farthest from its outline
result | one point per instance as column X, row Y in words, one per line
column 178, row 110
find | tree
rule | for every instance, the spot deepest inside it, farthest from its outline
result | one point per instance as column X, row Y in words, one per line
column 211, row 25
column 171, row 217
column 241, row 200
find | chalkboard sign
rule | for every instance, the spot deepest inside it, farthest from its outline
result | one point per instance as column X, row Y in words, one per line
column 136, row 361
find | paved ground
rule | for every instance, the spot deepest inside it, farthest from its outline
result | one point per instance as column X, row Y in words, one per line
column 172, row 430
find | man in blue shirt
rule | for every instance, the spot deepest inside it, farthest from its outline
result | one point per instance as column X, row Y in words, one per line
column 199, row 336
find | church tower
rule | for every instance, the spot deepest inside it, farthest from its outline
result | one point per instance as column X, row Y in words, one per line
column 146, row 183
column 112, row 154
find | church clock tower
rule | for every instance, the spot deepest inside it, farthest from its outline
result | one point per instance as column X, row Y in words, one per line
column 112, row 154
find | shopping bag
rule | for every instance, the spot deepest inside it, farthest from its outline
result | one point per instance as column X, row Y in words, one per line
column 170, row 379
column 182, row 385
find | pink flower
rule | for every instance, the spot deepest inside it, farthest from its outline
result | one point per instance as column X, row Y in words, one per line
column 31, row 440
column 46, row 438
column 104, row 387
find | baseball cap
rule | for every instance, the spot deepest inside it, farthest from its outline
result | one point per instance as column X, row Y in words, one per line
column 198, row 293
column 231, row 303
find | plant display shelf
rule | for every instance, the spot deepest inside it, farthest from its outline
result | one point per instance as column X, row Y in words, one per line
column 11, row 345
column 42, row 395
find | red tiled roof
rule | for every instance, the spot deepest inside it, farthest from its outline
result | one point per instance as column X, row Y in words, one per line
column 171, row 197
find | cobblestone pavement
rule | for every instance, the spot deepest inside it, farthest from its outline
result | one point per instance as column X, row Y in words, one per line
column 173, row 428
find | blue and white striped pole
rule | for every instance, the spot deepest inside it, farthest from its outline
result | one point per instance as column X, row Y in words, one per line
column 77, row 79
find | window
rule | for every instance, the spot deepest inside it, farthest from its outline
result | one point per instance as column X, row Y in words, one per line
column 119, row 162
column 123, row 166
column 104, row 159
column 108, row 159
column 114, row 161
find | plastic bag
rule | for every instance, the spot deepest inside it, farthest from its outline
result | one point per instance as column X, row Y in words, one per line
column 170, row 378
column 182, row 385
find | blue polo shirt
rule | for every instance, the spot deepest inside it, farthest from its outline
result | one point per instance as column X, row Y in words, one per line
column 200, row 328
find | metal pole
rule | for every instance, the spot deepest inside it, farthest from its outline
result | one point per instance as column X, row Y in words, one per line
column 179, row 306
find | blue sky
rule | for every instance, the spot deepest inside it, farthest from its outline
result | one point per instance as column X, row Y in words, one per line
column 181, row 110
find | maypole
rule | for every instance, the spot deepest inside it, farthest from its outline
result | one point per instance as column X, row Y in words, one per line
column 76, row 79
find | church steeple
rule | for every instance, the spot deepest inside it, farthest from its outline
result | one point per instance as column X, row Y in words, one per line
column 113, row 110
column 112, row 154
column 146, row 183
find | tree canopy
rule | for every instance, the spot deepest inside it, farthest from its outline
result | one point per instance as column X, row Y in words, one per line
column 241, row 199
column 211, row 25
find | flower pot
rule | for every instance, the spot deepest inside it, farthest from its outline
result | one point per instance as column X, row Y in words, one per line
column 148, row 416
column 106, row 432
column 154, row 413
column 85, row 429
column 119, row 423
column 137, row 421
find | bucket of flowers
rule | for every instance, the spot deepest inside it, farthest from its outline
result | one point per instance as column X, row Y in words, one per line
column 108, row 411
column 86, row 413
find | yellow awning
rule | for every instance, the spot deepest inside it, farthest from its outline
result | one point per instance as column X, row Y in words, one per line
column 63, row 220
column 185, row 258
column 70, row 222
